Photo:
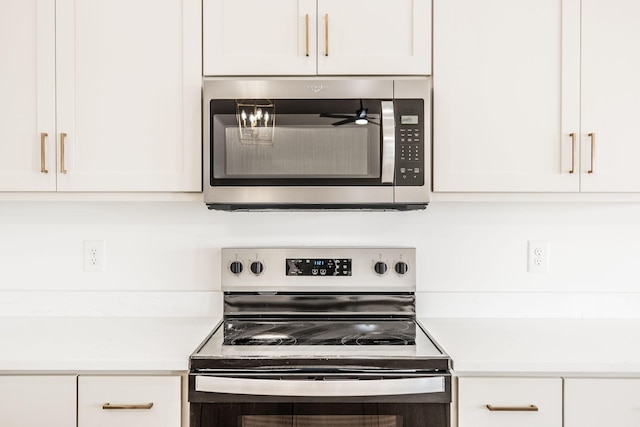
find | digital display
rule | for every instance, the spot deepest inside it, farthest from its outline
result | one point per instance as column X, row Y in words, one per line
column 318, row 267
column 409, row 120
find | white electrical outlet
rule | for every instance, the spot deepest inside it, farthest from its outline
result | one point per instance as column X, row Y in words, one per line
column 94, row 255
column 539, row 256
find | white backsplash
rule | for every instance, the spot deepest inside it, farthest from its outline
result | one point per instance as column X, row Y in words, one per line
column 162, row 258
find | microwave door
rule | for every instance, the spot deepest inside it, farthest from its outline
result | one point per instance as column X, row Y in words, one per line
column 302, row 143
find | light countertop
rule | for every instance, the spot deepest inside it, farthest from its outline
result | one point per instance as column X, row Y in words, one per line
column 100, row 343
column 540, row 346
column 477, row 346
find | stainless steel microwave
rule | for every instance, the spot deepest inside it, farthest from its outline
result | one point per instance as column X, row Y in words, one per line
column 307, row 143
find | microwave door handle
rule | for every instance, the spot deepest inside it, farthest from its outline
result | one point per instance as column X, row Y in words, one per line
column 388, row 142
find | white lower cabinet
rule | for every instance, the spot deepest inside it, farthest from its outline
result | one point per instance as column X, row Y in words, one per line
column 510, row 402
column 129, row 401
column 597, row 402
column 35, row 401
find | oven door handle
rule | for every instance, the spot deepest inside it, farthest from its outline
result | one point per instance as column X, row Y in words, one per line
column 388, row 142
column 278, row 387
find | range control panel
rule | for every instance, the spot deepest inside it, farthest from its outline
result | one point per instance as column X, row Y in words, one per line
column 409, row 116
column 318, row 269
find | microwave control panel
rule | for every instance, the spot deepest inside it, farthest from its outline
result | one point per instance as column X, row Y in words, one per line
column 409, row 115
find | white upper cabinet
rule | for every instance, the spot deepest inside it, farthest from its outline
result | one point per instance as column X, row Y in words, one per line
column 502, row 117
column 128, row 94
column 309, row 37
column 536, row 95
column 27, row 104
column 610, row 95
column 374, row 37
column 102, row 95
column 257, row 37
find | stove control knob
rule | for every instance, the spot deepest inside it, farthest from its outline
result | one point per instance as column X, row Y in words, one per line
column 401, row 267
column 236, row 267
column 380, row 267
column 257, row 267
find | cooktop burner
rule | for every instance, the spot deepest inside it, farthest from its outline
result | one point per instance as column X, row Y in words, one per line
column 319, row 332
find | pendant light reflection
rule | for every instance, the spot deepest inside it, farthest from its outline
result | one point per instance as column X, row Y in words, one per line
column 256, row 121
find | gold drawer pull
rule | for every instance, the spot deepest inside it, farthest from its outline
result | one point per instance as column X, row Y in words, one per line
column 530, row 408
column 143, row 406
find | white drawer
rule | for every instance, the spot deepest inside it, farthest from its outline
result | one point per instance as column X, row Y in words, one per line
column 596, row 402
column 129, row 401
column 521, row 402
column 38, row 400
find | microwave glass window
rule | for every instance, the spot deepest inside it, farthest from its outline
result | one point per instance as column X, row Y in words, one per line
column 302, row 139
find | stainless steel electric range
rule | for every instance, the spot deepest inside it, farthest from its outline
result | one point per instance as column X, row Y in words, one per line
column 319, row 337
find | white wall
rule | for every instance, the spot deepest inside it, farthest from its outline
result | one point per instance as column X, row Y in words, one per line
column 163, row 257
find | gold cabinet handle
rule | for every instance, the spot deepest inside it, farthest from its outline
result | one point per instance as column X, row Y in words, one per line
column 306, row 39
column 62, row 137
column 593, row 150
column 326, row 34
column 573, row 152
column 142, row 406
column 43, row 160
column 529, row 408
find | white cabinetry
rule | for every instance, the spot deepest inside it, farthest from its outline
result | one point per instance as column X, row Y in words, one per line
column 115, row 86
column 257, row 37
column 610, row 95
column 129, row 401
column 27, row 103
column 508, row 402
column 522, row 88
column 596, row 402
column 309, row 37
column 34, row 401
column 500, row 121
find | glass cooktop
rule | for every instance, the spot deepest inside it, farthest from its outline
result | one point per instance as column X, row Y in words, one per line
column 318, row 332
column 318, row 340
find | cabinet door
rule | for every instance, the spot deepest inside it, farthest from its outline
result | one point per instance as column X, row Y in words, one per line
column 257, row 37
column 611, row 95
column 35, row 401
column 601, row 402
column 27, row 103
column 128, row 94
column 374, row 37
column 129, row 401
column 509, row 399
column 506, row 95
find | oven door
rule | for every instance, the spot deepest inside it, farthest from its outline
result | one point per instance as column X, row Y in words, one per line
column 320, row 401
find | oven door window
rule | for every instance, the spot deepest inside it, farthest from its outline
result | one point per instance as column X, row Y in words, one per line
column 351, row 413
column 321, row 421
column 295, row 142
